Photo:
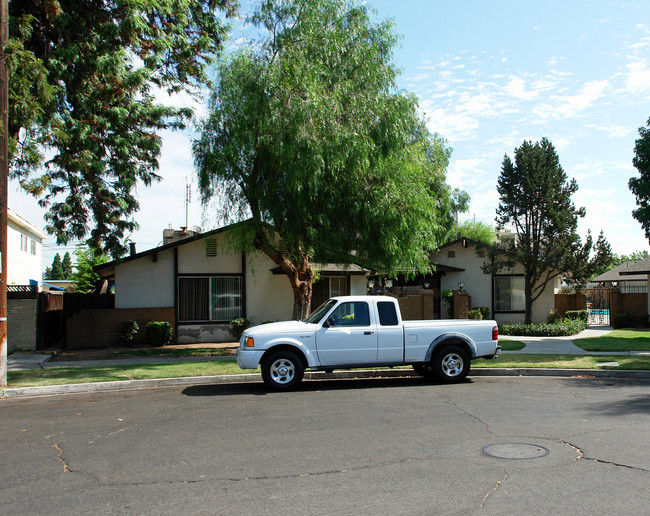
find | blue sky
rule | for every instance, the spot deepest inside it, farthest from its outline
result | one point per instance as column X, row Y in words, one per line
column 489, row 75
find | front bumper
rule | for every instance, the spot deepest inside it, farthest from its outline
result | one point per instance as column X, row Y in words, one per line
column 248, row 358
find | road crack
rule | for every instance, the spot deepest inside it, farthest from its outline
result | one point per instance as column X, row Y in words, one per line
column 486, row 426
column 581, row 456
column 66, row 467
column 496, row 488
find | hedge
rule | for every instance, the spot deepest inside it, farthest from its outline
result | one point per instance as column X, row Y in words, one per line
column 558, row 329
column 629, row 320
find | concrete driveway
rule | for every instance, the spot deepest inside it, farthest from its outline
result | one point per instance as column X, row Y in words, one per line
column 388, row 446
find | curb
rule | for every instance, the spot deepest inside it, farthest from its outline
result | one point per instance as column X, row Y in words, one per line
column 47, row 390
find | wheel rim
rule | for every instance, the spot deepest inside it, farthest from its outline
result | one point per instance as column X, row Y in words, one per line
column 283, row 371
column 452, row 364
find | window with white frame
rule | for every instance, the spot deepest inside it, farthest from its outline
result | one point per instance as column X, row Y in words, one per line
column 509, row 294
column 32, row 248
column 215, row 299
column 23, row 242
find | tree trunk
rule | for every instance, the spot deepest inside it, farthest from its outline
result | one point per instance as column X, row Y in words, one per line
column 299, row 272
column 528, row 296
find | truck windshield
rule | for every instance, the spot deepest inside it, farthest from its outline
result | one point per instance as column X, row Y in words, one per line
column 320, row 312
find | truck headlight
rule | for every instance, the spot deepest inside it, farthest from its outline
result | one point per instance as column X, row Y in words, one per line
column 250, row 343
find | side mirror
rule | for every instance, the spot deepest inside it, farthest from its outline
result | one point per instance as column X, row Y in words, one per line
column 329, row 322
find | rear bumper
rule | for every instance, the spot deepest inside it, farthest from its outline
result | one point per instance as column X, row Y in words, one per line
column 497, row 353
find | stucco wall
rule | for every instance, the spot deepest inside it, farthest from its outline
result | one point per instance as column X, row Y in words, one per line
column 144, row 283
column 479, row 285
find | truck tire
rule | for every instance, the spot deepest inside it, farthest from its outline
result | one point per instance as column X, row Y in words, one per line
column 282, row 370
column 450, row 364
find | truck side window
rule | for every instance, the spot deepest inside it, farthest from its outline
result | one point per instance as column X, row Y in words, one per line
column 352, row 314
column 387, row 313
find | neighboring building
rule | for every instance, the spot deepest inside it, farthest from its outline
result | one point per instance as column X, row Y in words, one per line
column 503, row 292
column 636, row 268
column 24, row 251
column 207, row 284
column 624, row 277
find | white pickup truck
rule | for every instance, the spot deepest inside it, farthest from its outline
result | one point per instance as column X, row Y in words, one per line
column 365, row 331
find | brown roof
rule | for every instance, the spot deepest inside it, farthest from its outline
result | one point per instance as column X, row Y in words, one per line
column 615, row 274
column 636, row 267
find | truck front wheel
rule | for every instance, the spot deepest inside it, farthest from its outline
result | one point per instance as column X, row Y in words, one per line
column 451, row 364
column 282, row 370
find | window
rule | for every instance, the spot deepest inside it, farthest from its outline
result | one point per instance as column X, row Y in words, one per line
column 338, row 286
column 23, row 242
column 509, row 294
column 387, row 313
column 32, row 249
column 352, row 314
column 451, row 254
column 216, row 299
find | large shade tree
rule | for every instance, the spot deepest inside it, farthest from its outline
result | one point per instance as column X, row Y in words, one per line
column 308, row 136
column 84, row 120
column 535, row 199
column 640, row 186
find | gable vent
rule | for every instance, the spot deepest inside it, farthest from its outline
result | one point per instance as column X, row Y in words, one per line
column 210, row 247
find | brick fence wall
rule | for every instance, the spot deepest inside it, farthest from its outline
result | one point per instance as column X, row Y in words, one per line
column 101, row 328
column 416, row 307
column 22, row 315
column 628, row 303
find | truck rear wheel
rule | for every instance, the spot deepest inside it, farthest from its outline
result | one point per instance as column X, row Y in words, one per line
column 451, row 364
column 282, row 370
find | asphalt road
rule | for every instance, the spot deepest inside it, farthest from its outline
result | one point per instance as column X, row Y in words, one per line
column 392, row 446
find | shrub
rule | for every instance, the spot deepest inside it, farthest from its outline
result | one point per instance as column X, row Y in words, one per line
column 237, row 327
column 629, row 320
column 553, row 317
column 581, row 315
column 559, row 329
column 485, row 311
column 475, row 313
column 159, row 333
column 130, row 329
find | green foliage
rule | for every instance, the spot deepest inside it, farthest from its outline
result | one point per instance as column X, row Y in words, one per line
column 624, row 258
column 448, row 297
column 159, row 333
column 629, row 320
column 640, row 186
column 129, row 331
column 82, row 86
column 535, row 199
column 56, row 271
column 485, row 311
column 307, row 132
column 85, row 278
column 237, row 327
column 475, row 313
column 477, row 231
column 580, row 315
column 561, row 328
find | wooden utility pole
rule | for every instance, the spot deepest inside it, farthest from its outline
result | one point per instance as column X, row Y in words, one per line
column 4, row 174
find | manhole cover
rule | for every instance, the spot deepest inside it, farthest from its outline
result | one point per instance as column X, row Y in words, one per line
column 516, row 451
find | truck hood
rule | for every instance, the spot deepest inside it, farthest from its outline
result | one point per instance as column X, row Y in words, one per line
column 284, row 328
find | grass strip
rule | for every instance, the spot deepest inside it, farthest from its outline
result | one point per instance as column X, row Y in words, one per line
column 511, row 345
column 563, row 362
column 176, row 353
column 617, row 340
column 71, row 375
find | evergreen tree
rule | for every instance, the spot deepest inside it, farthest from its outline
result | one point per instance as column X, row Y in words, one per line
column 640, row 186
column 82, row 86
column 85, row 278
column 56, row 272
column 66, row 266
column 535, row 199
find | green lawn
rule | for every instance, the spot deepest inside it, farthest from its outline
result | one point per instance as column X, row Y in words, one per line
column 71, row 375
column 618, row 340
column 67, row 375
column 563, row 362
column 511, row 345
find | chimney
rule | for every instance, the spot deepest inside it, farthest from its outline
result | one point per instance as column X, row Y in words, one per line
column 132, row 248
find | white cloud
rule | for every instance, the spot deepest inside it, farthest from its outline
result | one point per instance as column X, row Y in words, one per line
column 569, row 106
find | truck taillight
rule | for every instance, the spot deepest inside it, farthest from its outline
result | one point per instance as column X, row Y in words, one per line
column 495, row 333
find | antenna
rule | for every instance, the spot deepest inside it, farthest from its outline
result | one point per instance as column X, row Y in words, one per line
column 188, row 199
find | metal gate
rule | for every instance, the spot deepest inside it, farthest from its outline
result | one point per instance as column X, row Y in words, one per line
column 598, row 307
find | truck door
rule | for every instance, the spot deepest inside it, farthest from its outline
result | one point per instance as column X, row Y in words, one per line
column 351, row 337
column 390, row 333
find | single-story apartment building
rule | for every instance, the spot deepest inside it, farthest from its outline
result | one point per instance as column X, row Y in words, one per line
column 205, row 283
